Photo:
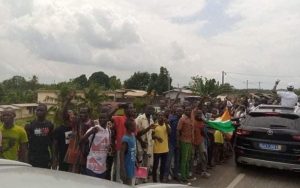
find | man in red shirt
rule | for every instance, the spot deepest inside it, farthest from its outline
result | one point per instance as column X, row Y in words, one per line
column 120, row 131
column 185, row 133
column 199, row 143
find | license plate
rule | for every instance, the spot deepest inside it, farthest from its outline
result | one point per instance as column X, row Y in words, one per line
column 272, row 147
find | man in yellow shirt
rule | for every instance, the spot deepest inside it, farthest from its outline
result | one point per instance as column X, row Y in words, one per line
column 14, row 138
column 160, row 147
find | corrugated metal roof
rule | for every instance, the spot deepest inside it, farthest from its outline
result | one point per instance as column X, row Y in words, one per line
column 25, row 105
column 9, row 106
column 135, row 93
column 187, row 91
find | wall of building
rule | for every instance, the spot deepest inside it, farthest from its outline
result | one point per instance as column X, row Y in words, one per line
column 47, row 97
column 172, row 95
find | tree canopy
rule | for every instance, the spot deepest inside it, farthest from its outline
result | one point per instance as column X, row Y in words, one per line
column 153, row 82
column 18, row 90
column 81, row 81
column 208, row 87
column 114, row 83
column 99, row 78
column 139, row 80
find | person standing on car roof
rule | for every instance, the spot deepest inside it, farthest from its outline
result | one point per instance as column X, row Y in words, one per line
column 288, row 98
column 40, row 136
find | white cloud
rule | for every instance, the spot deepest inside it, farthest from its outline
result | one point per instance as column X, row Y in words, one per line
column 59, row 40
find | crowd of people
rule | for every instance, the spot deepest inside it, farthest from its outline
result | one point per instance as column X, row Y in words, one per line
column 173, row 144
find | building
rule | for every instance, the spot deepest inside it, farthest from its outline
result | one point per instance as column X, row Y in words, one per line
column 26, row 110
column 116, row 95
column 135, row 94
column 183, row 93
column 22, row 110
column 17, row 110
column 50, row 97
column 125, row 95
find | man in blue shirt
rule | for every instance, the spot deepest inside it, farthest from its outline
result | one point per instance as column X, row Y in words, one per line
column 173, row 147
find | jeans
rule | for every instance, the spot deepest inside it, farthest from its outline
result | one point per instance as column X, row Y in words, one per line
column 162, row 158
column 173, row 155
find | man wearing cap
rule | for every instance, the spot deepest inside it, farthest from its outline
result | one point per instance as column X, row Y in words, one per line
column 14, row 143
column 288, row 98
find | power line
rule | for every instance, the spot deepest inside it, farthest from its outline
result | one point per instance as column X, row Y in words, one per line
column 263, row 75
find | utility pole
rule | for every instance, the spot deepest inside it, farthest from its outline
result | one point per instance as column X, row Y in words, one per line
column 259, row 85
column 223, row 75
column 247, row 84
column 169, row 87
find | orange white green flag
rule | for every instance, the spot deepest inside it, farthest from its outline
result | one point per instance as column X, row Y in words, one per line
column 222, row 123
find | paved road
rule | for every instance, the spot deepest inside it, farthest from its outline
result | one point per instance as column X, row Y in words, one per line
column 229, row 176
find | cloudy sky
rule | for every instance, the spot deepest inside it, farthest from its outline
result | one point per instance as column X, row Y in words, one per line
column 254, row 40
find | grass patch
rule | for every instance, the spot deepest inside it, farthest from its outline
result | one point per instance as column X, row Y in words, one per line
column 24, row 121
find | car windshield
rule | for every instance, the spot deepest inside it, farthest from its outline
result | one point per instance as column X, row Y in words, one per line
column 272, row 122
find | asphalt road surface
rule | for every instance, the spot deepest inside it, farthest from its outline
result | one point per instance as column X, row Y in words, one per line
column 230, row 176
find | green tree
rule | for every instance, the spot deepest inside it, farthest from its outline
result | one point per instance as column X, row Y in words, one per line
column 139, row 80
column 18, row 90
column 16, row 82
column 164, row 81
column 226, row 88
column 33, row 84
column 81, row 82
column 93, row 98
column 114, row 83
column 153, row 83
column 297, row 91
column 205, row 87
column 100, row 79
column 140, row 104
column 2, row 94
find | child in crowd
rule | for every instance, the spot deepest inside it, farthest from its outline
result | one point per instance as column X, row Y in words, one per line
column 218, row 146
column 128, row 153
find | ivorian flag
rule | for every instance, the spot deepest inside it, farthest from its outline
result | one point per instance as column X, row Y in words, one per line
column 222, row 123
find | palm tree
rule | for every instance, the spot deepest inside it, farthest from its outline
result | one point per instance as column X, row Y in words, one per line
column 93, row 98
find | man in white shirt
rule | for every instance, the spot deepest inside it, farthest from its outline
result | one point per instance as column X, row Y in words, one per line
column 288, row 98
column 145, row 143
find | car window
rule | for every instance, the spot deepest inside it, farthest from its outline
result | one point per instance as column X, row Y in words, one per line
column 273, row 122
